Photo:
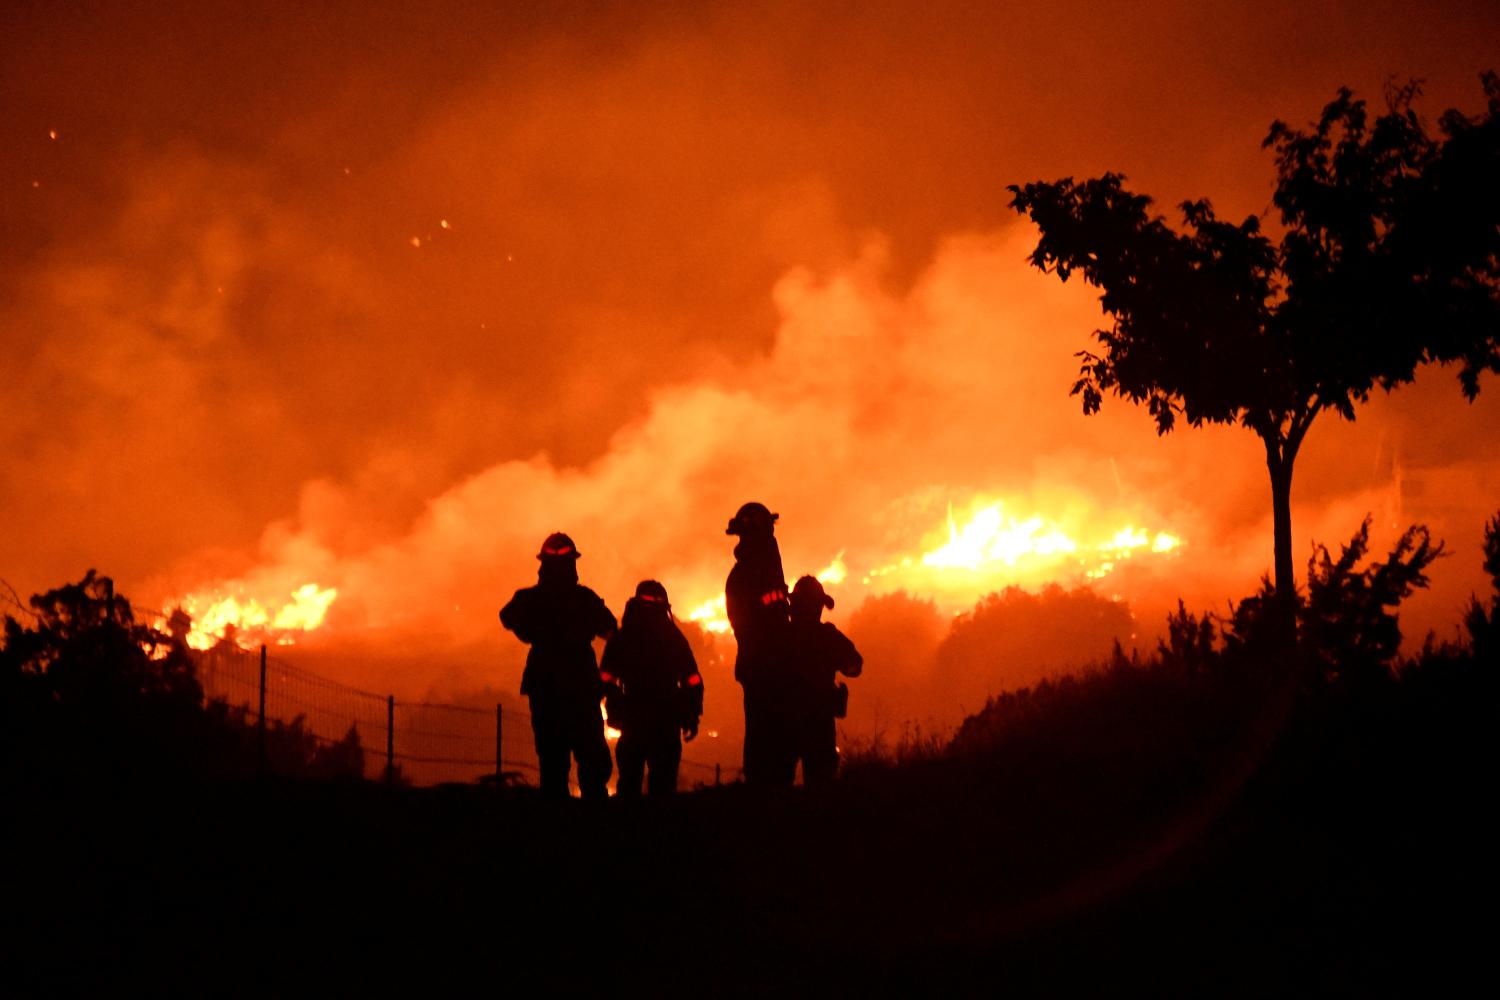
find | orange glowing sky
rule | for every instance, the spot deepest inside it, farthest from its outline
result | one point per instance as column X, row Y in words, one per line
column 373, row 299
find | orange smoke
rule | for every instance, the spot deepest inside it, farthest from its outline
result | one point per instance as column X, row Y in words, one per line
column 663, row 264
column 856, row 427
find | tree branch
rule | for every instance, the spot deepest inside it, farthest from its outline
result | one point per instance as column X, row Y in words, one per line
column 15, row 598
column 1299, row 427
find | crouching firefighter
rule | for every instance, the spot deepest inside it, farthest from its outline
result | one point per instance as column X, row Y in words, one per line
column 653, row 693
column 559, row 618
column 816, row 653
column 756, row 601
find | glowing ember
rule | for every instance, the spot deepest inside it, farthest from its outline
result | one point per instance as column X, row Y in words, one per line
column 249, row 621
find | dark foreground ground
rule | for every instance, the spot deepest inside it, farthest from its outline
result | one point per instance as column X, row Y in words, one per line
column 1322, row 856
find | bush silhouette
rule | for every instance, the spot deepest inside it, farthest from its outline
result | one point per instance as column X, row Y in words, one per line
column 88, row 690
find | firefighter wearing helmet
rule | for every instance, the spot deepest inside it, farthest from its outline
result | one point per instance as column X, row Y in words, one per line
column 654, row 693
column 755, row 597
column 816, row 653
column 559, row 619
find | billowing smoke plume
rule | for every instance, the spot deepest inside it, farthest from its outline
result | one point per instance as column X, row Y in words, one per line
column 873, row 413
column 302, row 301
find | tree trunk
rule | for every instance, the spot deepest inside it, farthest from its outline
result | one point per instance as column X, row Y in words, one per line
column 1281, row 512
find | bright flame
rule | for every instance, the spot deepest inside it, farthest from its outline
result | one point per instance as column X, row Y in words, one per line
column 835, row 572
column 252, row 620
column 309, row 605
column 991, row 547
column 712, row 615
column 1126, row 539
column 988, row 537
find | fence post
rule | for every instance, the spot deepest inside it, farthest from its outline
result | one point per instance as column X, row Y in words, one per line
column 716, row 774
column 260, row 725
column 499, row 744
column 390, row 739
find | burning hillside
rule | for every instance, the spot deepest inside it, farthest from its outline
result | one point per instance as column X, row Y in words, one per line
column 865, row 401
column 324, row 347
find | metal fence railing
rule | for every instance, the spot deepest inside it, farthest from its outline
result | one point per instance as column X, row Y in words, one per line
column 419, row 742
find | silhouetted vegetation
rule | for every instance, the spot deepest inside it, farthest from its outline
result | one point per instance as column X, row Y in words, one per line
column 1211, row 676
column 1483, row 622
column 1388, row 256
column 1270, row 823
column 1017, row 637
column 1198, row 818
column 90, row 691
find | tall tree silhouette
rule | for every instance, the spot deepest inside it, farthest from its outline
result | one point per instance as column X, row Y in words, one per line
column 1387, row 256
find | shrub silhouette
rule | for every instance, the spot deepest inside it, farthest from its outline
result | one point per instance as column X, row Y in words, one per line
column 86, row 681
column 1484, row 625
column 1211, row 682
column 1350, row 631
column 1017, row 637
column 89, row 690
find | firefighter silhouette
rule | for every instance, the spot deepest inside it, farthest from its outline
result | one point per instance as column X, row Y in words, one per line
column 560, row 618
column 654, row 693
column 755, row 596
column 816, row 653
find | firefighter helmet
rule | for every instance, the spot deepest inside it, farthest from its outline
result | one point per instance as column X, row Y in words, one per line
column 652, row 592
column 558, row 546
column 751, row 516
column 810, row 590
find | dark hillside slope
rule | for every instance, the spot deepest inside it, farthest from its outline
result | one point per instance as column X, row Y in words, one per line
column 1172, row 833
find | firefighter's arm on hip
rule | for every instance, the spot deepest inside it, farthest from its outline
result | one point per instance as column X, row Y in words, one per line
column 516, row 617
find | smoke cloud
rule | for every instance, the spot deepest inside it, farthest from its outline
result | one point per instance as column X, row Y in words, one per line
column 377, row 302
